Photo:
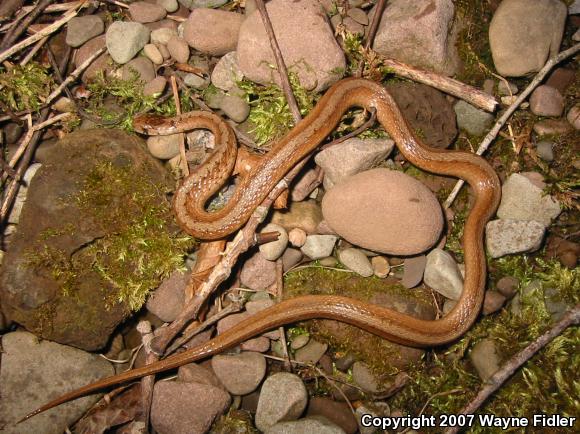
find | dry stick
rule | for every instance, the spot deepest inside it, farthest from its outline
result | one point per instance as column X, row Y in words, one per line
column 372, row 32
column 448, row 85
column 282, row 70
column 572, row 317
column 16, row 31
column 181, row 137
column 34, row 50
column 279, row 292
column 147, row 382
column 511, row 109
column 60, row 7
column 38, row 36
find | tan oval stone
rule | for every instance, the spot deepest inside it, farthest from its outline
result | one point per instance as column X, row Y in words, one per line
column 385, row 211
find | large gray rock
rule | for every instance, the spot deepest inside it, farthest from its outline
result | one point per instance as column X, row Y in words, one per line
column 471, row 119
column 126, row 39
column 306, row 40
column 523, row 34
column 32, row 372
column 443, row 275
column 81, row 29
column 212, row 31
column 503, row 237
column 419, row 32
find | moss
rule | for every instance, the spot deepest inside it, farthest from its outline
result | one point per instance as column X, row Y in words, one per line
column 25, row 87
column 57, row 262
column 235, row 422
column 545, row 384
column 269, row 113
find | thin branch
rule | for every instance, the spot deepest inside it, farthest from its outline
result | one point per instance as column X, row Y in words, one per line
column 38, row 36
column 16, row 31
column 147, row 382
column 279, row 297
column 34, row 50
column 372, row 32
column 490, row 137
column 181, row 137
column 572, row 317
column 282, row 70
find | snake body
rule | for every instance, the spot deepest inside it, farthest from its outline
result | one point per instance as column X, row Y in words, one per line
column 192, row 195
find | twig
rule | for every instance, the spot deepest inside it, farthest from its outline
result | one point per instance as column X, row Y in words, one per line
column 147, row 382
column 60, row 7
column 372, row 32
column 572, row 317
column 282, row 70
column 16, row 31
column 34, row 50
column 181, row 137
column 279, row 294
column 511, row 109
column 38, row 36
column 448, row 85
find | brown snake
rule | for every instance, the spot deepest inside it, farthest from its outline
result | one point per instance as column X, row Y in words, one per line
column 192, row 195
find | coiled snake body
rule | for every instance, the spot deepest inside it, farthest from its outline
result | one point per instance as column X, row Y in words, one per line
column 192, row 195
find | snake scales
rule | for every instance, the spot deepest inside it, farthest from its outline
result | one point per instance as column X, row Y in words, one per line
column 191, row 197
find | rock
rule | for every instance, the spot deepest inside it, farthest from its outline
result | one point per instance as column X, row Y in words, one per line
column 163, row 35
column 291, row 258
column 352, row 26
column 484, row 358
column 545, row 150
column 273, row 250
column 565, row 251
column 299, row 341
column 236, row 108
column 493, row 301
column 125, row 39
column 141, row 66
column 381, row 266
column 507, row 236
column 304, row 184
column 306, row 41
column 195, row 81
column 337, row 412
column 258, row 305
column 375, row 409
column 212, row 31
column 522, row 200
column 574, row 116
column 240, row 373
column 227, row 72
column 523, row 35
column 471, row 119
column 81, row 29
column 163, row 147
column 351, row 157
column 305, row 215
column 152, row 53
column 358, row 15
column 12, row 132
column 555, row 305
column 355, row 260
column 144, row 12
column 168, row 5
column 63, row 105
column 442, row 274
column 195, row 373
column 297, row 237
column 419, row 33
column 345, row 362
column 207, row 3
column 231, row 321
column 34, row 371
column 186, row 408
column 214, row 97
column 14, row 215
column 427, row 110
column 168, row 299
column 406, row 221
column 58, row 292
column 561, row 79
column 507, row 88
column 318, row 425
column 548, row 127
column 178, row 49
column 364, row 378
column 101, row 64
column 318, row 246
column 546, row 101
column 414, row 270
column 258, row 273
column 508, row 286
column 283, row 397
column 311, row 352
column 155, row 87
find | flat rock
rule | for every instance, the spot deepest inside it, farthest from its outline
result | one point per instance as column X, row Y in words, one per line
column 485, row 358
column 312, row 352
column 471, row 119
column 168, row 300
column 283, row 397
column 227, row 72
column 32, row 372
column 102, row 64
column 178, row 49
column 212, row 31
column 524, row 34
column 258, row 273
column 547, row 101
column 57, row 292
column 186, row 408
column 548, row 127
column 355, row 260
column 385, row 211
column 196, row 373
column 414, row 270
column 523, row 200
column 144, row 12
column 81, row 29
column 418, row 32
column 351, row 157
column 240, row 373
column 319, row 246
column 506, row 236
column 306, row 41
column 141, row 67
column 443, row 275
column 274, row 249
column 125, row 39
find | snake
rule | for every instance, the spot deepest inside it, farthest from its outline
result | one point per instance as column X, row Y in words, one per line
column 190, row 200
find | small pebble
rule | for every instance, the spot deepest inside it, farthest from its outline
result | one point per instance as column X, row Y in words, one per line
column 141, row 66
column 236, row 108
column 414, row 270
column 143, row 12
column 299, row 341
column 574, row 116
column 443, row 275
column 178, row 49
column 153, row 53
column 506, row 89
column 545, row 150
column 297, row 237
column 162, row 35
column 311, row 352
column 168, row 5
column 355, row 260
column 485, row 359
column 195, row 81
column 359, row 16
column 81, row 29
column 290, row 258
column 493, row 301
column 273, row 250
column 381, row 266
column 163, row 147
column 329, row 261
column 125, row 39
column 547, row 127
column 508, row 286
column 547, row 101
column 318, row 246
column 155, row 87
